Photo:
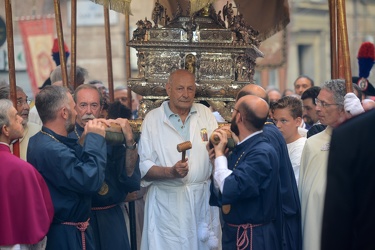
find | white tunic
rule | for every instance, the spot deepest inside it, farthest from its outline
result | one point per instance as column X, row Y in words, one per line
column 34, row 116
column 312, row 185
column 295, row 152
column 30, row 130
column 176, row 209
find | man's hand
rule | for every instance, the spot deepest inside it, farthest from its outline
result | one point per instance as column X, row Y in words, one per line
column 131, row 196
column 221, row 146
column 94, row 126
column 126, row 130
column 211, row 153
column 180, row 169
column 107, row 122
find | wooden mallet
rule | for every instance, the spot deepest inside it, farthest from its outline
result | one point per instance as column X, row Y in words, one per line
column 182, row 147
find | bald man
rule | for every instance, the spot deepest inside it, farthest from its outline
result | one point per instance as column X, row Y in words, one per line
column 177, row 213
column 290, row 213
column 248, row 180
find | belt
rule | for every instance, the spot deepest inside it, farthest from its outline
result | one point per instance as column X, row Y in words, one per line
column 242, row 239
column 81, row 226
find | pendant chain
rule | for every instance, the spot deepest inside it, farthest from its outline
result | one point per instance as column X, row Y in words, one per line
column 45, row 133
column 75, row 131
column 239, row 158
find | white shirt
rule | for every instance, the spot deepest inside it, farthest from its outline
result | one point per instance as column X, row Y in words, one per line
column 34, row 116
column 295, row 152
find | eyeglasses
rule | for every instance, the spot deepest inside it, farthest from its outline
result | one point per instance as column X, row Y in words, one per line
column 93, row 106
column 324, row 104
column 236, row 110
column 21, row 102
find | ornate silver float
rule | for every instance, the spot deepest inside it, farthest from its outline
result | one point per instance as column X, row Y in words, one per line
column 222, row 59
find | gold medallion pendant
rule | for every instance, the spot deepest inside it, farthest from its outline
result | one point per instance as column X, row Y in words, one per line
column 104, row 189
column 226, row 208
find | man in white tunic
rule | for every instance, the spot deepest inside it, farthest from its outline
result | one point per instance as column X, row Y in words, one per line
column 313, row 169
column 30, row 128
column 177, row 210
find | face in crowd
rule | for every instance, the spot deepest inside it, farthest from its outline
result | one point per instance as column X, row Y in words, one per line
column 23, row 107
column 328, row 111
column 181, row 91
column 15, row 127
column 88, row 105
column 309, row 111
column 301, row 84
column 286, row 123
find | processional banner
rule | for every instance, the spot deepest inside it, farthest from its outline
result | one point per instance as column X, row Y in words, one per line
column 37, row 37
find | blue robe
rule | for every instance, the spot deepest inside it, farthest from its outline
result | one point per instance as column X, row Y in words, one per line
column 253, row 192
column 290, row 215
column 109, row 224
column 73, row 174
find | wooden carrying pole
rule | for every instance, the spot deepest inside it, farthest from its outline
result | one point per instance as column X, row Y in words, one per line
column 109, row 52
column 127, row 59
column 333, row 38
column 73, row 45
column 60, row 38
column 343, row 41
column 340, row 55
column 132, row 219
column 11, row 63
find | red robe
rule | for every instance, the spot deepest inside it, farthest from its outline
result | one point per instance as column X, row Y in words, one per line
column 26, row 208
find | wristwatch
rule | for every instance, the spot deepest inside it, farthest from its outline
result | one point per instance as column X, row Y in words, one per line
column 132, row 147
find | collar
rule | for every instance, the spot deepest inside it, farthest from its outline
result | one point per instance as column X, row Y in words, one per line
column 247, row 138
column 329, row 130
column 25, row 131
column 6, row 144
column 70, row 142
column 169, row 112
column 318, row 122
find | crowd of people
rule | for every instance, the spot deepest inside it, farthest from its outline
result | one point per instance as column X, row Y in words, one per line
column 280, row 187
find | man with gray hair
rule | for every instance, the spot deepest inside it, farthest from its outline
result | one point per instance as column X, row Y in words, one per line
column 23, row 110
column 331, row 107
column 72, row 172
column 121, row 175
column 26, row 208
column 30, row 128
